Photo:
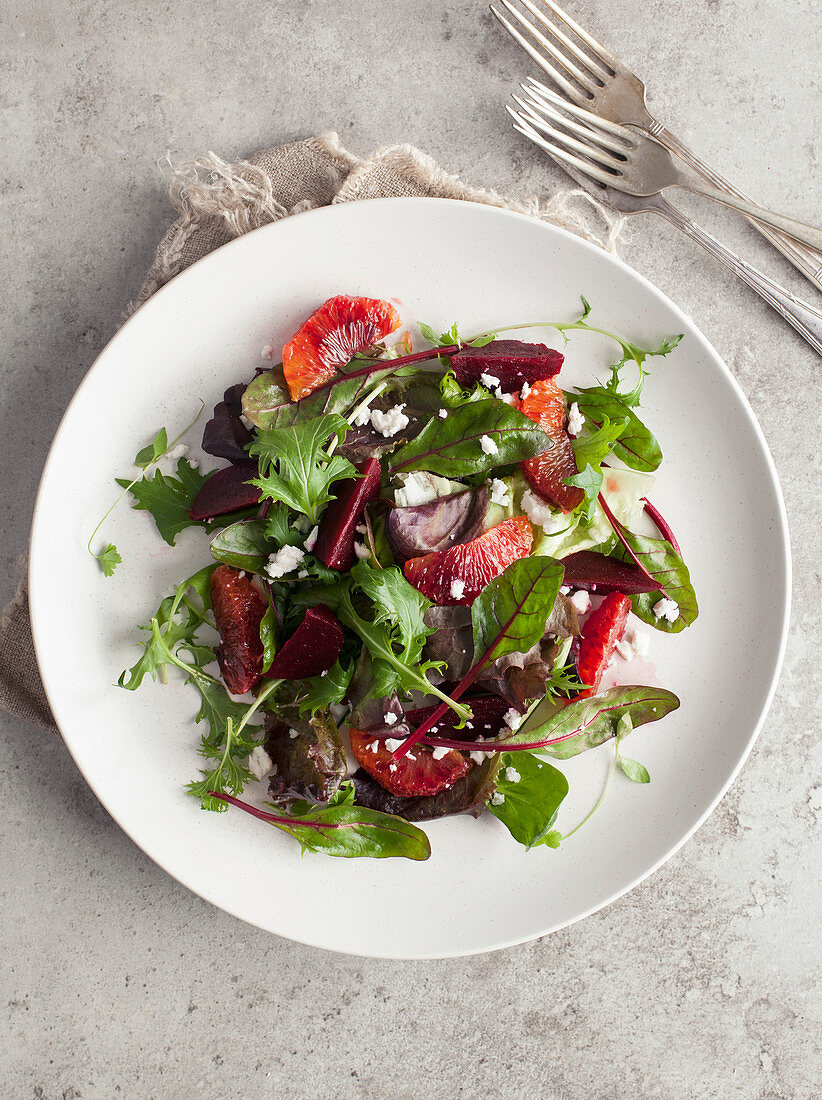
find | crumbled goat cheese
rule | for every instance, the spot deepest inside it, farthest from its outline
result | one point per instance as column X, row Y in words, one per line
column 246, row 422
column 488, row 445
column 541, row 514
column 507, row 398
column 478, row 757
column 581, row 601
column 640, row 641
column 525, row 390
column 361, row 417
column 259, row 762
column 512, row 775
column 457, row 589
column 311, row 541
column 361, row 529
column 576, row 420
column 390, row 422
column 442, row 414
column 491, row 382
column 374, row 746
column 512, row 718
column 267, row 352
column 293, row 734
column 566, row 589
column 439, row 753
column 422, row 488
column 497, row 799
column 499, row 492
column 393, row 743
column 284, row 561
column 389, row 718
column 361, row 551
column 667, row 609
column 625, row 650
column 303, row 573
column 392, row 767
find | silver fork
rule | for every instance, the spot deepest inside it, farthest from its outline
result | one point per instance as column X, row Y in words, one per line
column 804, row 317
column 631, row 161
column 592, row 77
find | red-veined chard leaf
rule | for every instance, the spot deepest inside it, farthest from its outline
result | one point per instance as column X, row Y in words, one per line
column 454, row 447
column 636, row 447
column 660, row 562
column 344, row 830
column 528, row 795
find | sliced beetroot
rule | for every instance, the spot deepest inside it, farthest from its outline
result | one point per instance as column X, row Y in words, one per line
column 225, row 435
column 338, row 526
column 511, row 361
column 488, row 721
column 597, row 572
column 226, row 491
column 438, row 525
column 313, row 647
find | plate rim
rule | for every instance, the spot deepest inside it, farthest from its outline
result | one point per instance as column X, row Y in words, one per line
column 786, row 565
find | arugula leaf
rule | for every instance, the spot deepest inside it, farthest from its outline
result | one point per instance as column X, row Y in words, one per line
column 344, row 829
column 453, row 448
column 319, row 692
column 155, row 449
column 636, row 447
column 109, row 559
column 442, row 340
column 168, row 498
column 659, row 561
column 586, row 723
column 396, row 602
column 531, row 791
column 510, row 613
column 593, row 448
column 297, row 468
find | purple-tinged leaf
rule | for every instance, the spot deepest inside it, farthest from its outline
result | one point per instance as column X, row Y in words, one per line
column 438, row 525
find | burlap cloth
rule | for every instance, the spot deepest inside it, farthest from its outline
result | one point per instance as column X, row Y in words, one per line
column 216, row 202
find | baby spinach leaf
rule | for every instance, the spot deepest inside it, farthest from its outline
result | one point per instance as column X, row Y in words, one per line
column 344, row 829
column 168, row 498
column 243, row 545
column 296, row 466
column 510, row 613
column 585, row 723
column 636, row 446
column 453, row 447
column 531, row 791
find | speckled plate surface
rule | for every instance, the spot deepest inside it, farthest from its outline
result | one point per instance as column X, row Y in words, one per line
column 445, row 261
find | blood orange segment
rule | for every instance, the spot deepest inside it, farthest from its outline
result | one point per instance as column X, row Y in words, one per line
column 331, row 336
column 238, row 608
column 418, row 773
column 545, row 405
column 600, row 635
column 458, row 575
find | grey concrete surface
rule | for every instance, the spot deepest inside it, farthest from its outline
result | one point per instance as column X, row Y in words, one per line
column 114, row 981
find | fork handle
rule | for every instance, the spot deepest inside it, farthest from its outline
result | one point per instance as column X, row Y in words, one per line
column 804, row 259
column 805, row 318
column 807, row 234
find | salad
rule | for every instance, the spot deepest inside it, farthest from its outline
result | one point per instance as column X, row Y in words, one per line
column 422, row 565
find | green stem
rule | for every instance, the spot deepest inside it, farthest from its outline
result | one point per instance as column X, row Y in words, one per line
column 601, row 799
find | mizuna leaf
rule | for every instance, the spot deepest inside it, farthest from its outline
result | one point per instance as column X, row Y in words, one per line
column 345, row 830
column 169, row 498
column 453, row 447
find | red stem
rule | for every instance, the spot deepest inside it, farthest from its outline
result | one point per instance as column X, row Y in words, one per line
column 272, row 819
column 662, row 524
column 618, row 527
column 433, row 718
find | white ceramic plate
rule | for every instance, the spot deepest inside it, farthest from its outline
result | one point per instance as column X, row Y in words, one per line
column 479, row 890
